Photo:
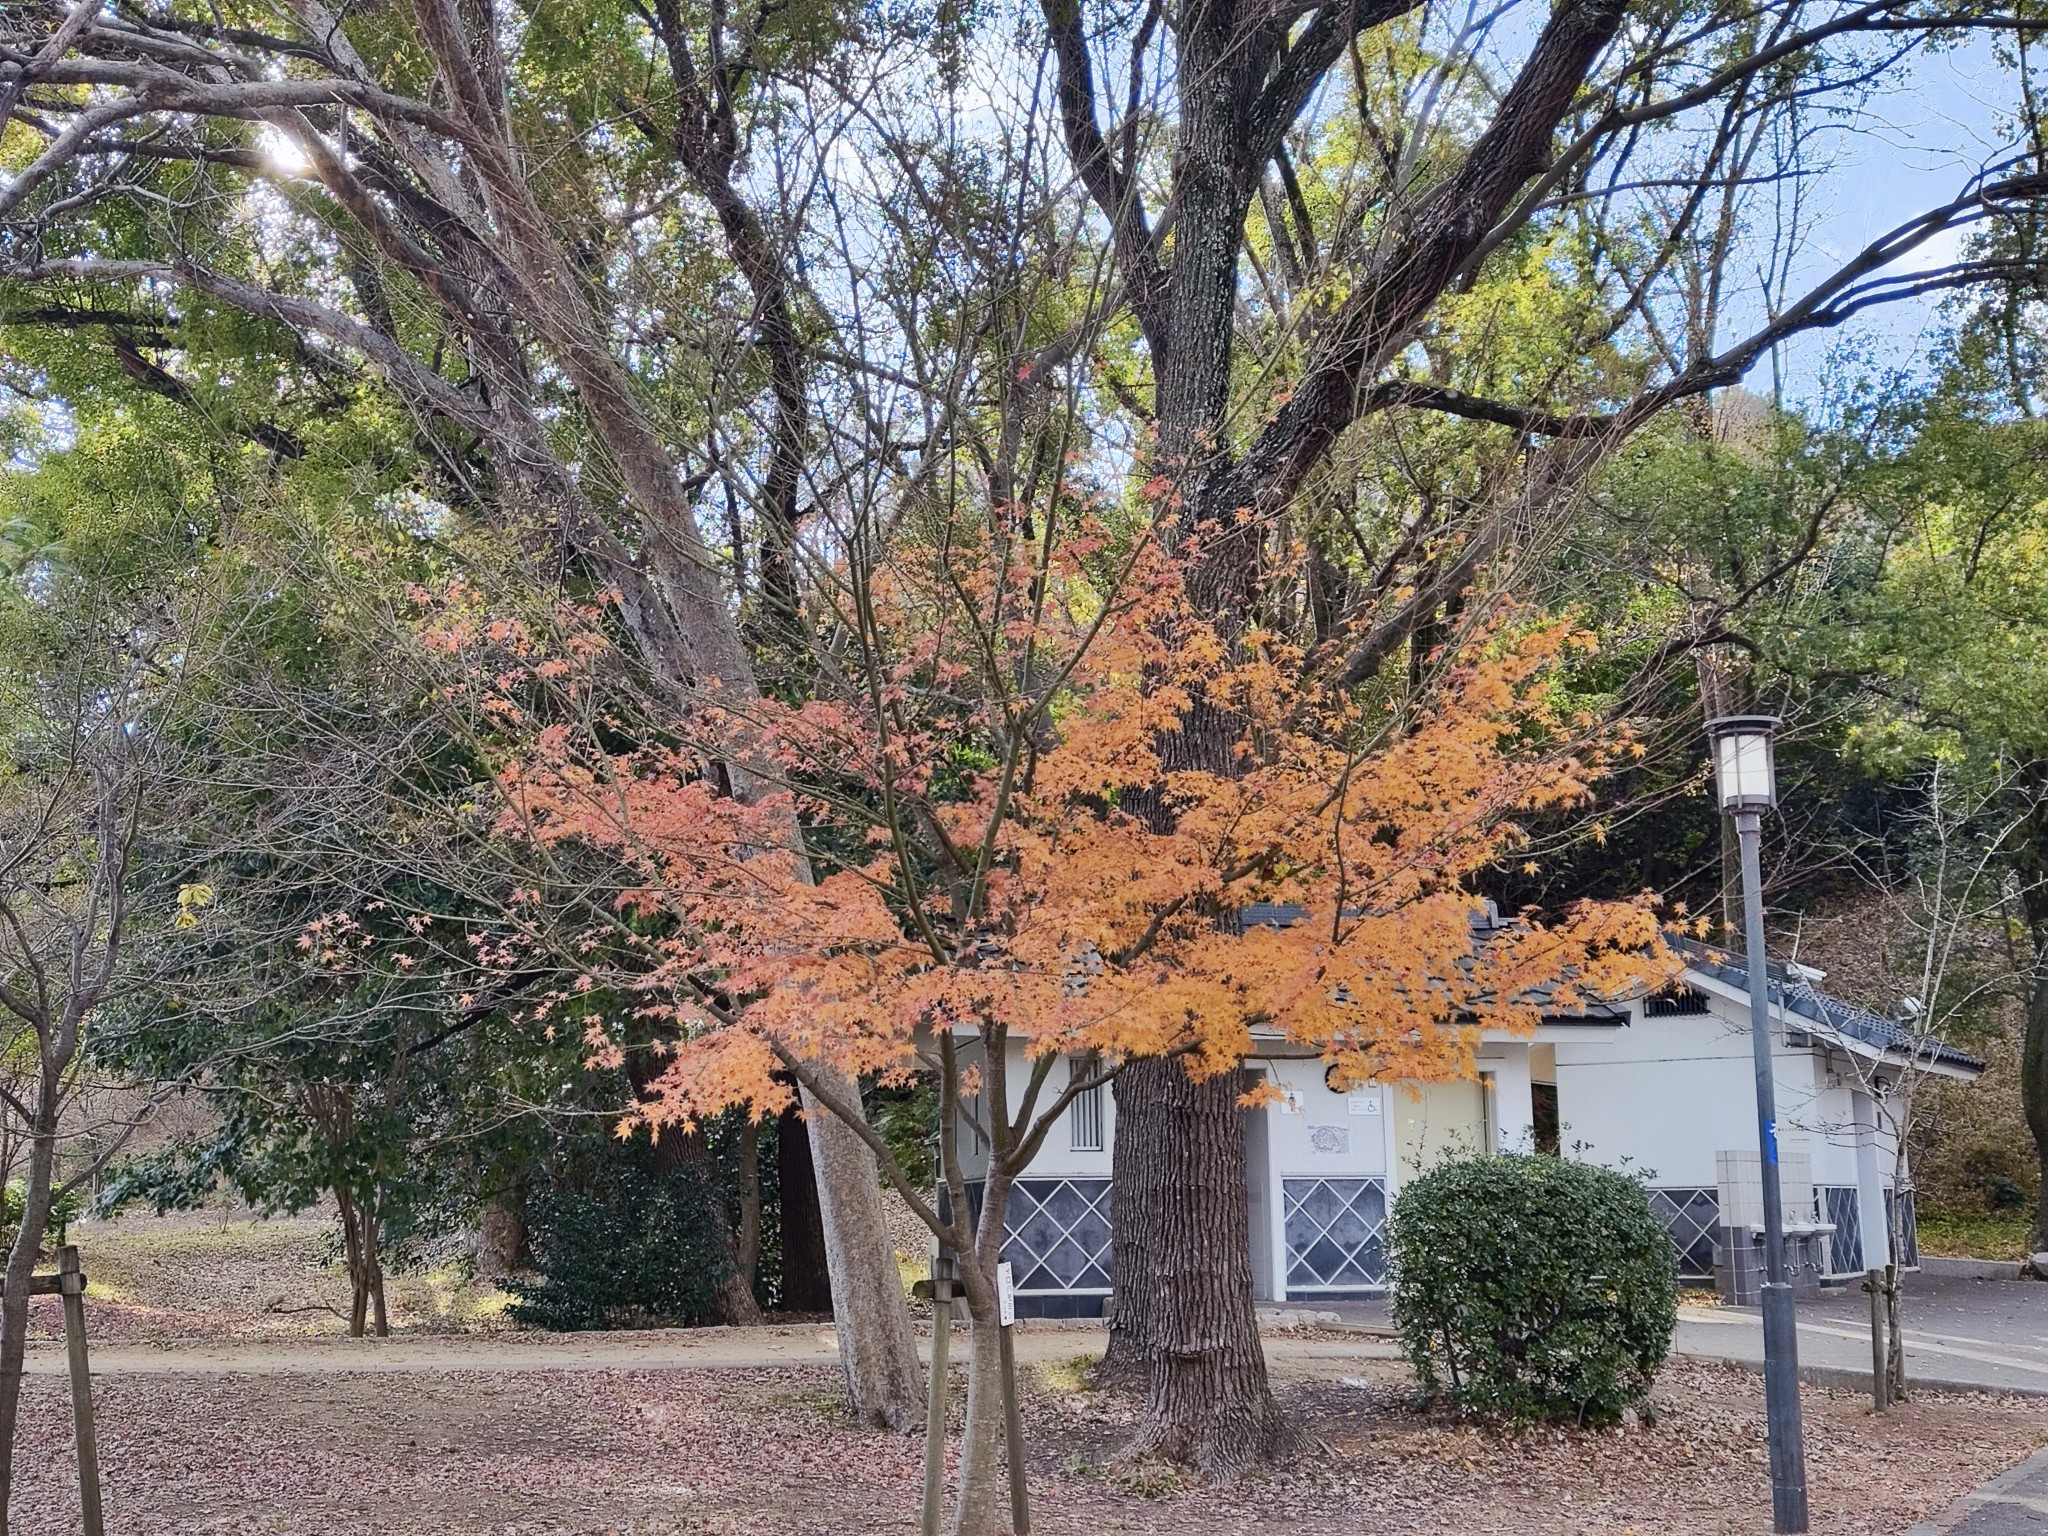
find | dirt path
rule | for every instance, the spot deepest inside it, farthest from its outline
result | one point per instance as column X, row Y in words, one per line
column 1298, row 1357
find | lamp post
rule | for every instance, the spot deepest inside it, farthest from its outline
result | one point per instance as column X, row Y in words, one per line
column 1744, row 771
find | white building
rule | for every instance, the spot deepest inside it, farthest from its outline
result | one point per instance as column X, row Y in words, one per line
column 1661, row 1086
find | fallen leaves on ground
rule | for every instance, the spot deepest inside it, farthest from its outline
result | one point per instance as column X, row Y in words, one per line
column 746, row 1452
column 207, row 1275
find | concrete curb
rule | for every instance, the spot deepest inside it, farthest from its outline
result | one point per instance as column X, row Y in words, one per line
column 1991, row 1493
column 1296, row 1317
column 1968, row 1269
column 1858, row 1380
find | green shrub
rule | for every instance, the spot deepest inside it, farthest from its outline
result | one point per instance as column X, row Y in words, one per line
column 620, row 1240
column 1531, row 1287
column 63, row 1211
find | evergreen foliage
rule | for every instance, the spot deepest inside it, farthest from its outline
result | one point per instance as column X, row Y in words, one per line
column 625, row 1235
column 1532, row 1287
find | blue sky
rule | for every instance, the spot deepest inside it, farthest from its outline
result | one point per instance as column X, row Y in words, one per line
column 1916, row 144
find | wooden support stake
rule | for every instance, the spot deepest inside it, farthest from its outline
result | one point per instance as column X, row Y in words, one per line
column 71, row 1286
column 1013, row 1433
column 1880, row 1349
column 935, row 1410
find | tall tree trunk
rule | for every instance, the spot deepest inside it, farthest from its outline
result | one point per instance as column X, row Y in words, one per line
column 2034, row 1100
column 502, row 1235
column 2033, row 872
column 1208, row 1402
column 689, row 633
column 1894, row 1328
column 689, row 1157
column 352, row 1250
column 1183, row 1318
column 14, row 1312
column 373, row 1273
column 870, row 1314
column 1134, row 1164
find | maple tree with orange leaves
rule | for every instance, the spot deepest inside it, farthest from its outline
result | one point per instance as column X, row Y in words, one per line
column 993, row 852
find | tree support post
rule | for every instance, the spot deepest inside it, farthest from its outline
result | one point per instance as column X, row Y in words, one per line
column 1880, row 1344
column 935, row 1408
column 71, row 1286
column 1013, row 1418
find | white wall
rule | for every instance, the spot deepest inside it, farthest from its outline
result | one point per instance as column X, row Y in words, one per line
column 1323, row 1132
column 1662, row 1096
column 1432, row 1122
column 1514, row 1124
column 1057, row 1158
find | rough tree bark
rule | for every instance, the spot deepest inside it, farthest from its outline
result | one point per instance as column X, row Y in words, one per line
column 877, row 1350
column 1207, row 1400
column 1134, row 1181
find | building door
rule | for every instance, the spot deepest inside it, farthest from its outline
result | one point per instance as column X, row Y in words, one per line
column 1543, row 1113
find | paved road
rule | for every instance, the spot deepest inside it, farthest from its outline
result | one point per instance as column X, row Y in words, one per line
column 1973, row 1335
column 1977, row 1334
column 2015, row 1504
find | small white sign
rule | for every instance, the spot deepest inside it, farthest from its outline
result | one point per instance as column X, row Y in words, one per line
column 1006, row 1294
column 1291, row 1102
column 1365, row 1103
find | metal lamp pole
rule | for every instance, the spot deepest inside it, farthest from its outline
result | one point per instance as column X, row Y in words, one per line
column 1748, row 785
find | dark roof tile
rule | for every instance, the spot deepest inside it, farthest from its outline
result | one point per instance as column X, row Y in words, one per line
column 1795, row 996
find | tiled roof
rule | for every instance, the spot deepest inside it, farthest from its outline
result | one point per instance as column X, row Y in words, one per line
column 1793, row 995
column 1274, row 914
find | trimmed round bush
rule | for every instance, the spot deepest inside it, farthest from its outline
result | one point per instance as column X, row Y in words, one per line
column 1530, row 1287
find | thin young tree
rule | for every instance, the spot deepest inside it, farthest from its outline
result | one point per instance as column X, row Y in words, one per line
column 1948, row 950
column 88, row 690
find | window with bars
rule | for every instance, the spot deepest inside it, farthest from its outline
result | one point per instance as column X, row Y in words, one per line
column 1334, row 1230
column 1840, row 1206
column 1676, row 1002
column 1692, row 1217
column 1059, row 1235
column 1084, row 1120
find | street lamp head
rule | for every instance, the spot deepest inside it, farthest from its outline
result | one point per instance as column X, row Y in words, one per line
column 1743, row 765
